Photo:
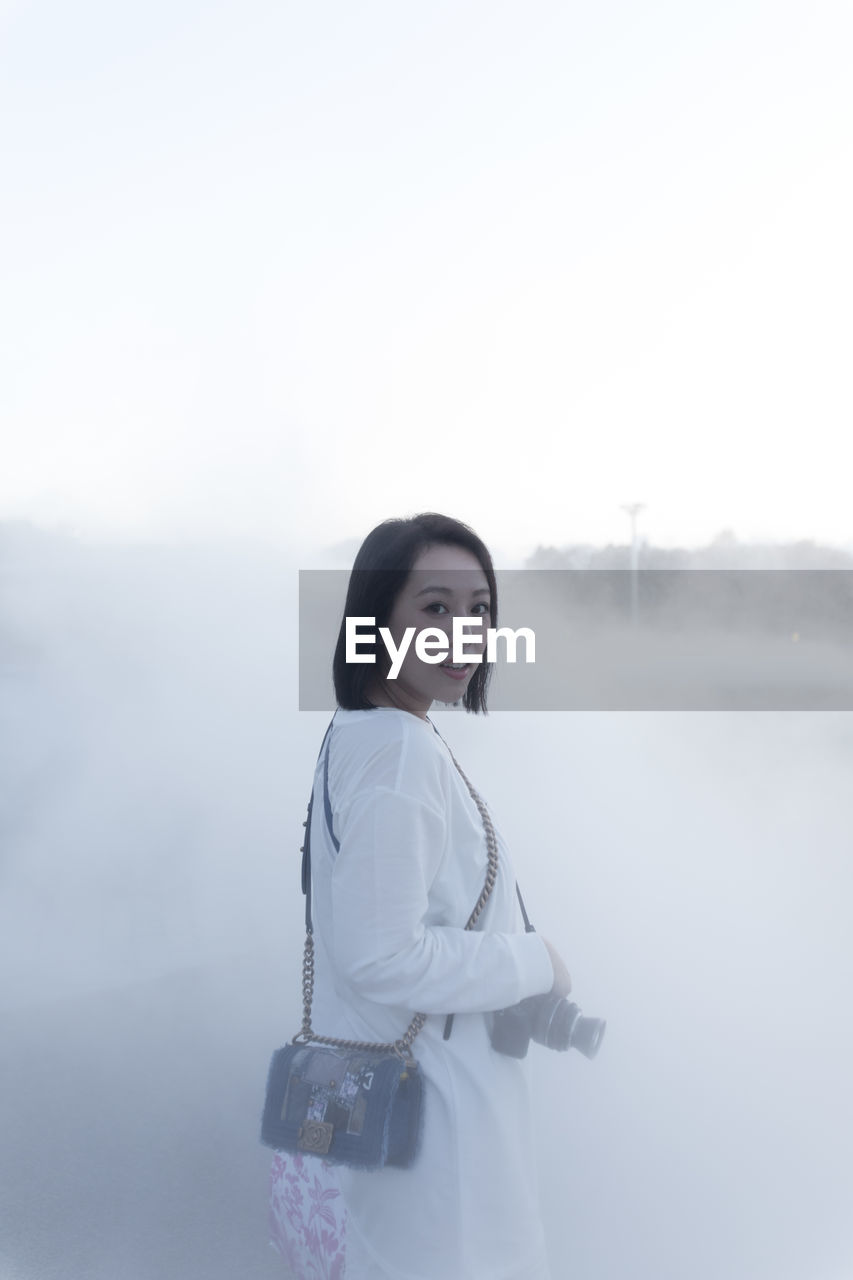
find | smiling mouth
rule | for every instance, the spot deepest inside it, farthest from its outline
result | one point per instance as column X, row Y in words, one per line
column 456, row 671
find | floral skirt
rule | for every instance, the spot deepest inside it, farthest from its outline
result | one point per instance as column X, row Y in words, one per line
column 307, row 1217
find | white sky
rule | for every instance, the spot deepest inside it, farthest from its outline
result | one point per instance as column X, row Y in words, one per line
column 284, row 269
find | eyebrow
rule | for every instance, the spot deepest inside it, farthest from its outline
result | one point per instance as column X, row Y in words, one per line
column 446, row 591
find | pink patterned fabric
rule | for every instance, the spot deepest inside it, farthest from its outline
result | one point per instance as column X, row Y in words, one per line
column 307, row 1217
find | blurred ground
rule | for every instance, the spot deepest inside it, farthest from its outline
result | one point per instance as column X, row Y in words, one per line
column 130, row 1122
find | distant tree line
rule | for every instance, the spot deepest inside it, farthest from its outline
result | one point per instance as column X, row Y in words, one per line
column 802, row 589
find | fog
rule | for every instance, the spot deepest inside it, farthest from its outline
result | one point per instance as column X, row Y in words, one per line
column 693, row 868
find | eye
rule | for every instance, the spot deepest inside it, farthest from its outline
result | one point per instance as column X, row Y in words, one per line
column 436, row 606
column 483, row 607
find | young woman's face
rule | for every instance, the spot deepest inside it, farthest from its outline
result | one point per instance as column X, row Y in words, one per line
column 446, row 582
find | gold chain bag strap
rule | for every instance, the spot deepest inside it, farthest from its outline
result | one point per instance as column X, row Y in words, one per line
column 353, row 1102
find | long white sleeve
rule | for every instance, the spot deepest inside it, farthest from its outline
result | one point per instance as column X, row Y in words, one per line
column 386, row 947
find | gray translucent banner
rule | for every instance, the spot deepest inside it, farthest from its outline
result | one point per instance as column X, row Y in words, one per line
column 657, row 640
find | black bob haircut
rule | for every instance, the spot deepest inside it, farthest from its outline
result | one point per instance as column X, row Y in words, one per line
column 384, row 561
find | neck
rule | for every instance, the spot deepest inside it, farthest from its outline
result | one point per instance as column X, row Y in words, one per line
column 382, row 696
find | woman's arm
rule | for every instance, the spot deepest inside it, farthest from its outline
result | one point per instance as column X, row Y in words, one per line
column 391, row 847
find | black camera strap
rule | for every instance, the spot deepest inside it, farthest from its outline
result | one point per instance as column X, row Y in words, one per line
column 528, row 927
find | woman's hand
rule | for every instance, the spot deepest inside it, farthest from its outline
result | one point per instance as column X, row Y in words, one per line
column 562, row 979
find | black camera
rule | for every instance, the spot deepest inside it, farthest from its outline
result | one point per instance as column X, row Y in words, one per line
column 550, row 1020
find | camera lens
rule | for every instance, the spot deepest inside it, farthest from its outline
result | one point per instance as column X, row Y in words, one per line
column 587, row 1034
column 559, row 1024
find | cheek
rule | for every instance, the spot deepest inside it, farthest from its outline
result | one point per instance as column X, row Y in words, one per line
column 476, row 643
column 415, row 674
column 419, row 667
column 415, row 664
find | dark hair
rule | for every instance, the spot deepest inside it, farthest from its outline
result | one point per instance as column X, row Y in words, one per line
column 384, row 561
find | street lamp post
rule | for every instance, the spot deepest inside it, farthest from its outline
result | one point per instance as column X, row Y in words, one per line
column 634, row 509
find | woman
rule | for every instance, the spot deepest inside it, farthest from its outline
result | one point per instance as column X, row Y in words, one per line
column 394, row 882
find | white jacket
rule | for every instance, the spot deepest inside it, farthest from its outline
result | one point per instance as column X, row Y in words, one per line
column 389, row 908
